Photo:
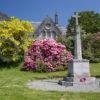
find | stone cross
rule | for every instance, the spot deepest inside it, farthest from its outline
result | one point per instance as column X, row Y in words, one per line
column 78, row 68
column 77, row 39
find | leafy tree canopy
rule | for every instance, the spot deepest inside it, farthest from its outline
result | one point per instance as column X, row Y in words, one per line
column 89, row 22
column 90, row 35
column 14, row 38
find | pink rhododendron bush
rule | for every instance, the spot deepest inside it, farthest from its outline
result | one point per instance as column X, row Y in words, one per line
column 46, row 56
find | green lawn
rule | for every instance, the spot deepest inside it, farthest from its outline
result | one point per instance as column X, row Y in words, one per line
column 13, row 86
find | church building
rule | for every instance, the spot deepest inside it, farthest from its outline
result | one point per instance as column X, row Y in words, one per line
column 48, row 28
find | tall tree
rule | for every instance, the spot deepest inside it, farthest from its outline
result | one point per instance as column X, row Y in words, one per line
column 90, row 29
column 89, row 22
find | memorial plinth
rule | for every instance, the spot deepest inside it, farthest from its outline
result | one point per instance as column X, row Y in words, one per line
column 78, row 68
column 78, row 73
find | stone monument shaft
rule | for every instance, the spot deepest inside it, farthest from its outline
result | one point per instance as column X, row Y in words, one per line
column 78, row 68
column 77, row 39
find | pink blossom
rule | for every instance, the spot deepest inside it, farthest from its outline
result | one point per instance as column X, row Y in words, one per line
column 49, row 52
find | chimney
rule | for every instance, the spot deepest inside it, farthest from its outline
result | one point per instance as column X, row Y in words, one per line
column 56, row 18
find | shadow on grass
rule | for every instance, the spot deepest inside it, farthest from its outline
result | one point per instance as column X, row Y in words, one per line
column 9, row 65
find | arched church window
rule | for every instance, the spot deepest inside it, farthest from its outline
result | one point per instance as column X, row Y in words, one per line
column 54, row 35
column 48, row 34
column 43, row 34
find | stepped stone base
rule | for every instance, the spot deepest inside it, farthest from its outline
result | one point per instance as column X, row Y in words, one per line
column 71, row 81
column 78, row 73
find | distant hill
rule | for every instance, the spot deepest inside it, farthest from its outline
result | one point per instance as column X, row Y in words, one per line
column 3, row 16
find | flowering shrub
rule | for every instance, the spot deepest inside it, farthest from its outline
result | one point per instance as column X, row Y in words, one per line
column 14, row 39
column 46, row 55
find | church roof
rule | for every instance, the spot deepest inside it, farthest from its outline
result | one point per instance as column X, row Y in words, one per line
column 36, row 24
column 42, row 25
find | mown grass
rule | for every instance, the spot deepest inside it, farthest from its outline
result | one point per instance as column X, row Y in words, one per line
column 13, row 86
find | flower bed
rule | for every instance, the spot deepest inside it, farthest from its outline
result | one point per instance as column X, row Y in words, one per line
column 46, row 55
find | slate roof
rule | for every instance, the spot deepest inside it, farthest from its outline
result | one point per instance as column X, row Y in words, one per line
column 39, row 26
column 3, row 16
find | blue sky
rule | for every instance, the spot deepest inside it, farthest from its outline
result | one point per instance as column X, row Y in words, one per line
column 36, row 10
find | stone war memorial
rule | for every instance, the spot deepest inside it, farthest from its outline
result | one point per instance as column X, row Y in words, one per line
column 78, row 68
column 79, row 78
column 50, row 50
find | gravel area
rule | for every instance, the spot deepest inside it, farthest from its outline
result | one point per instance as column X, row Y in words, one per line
column 52, row 85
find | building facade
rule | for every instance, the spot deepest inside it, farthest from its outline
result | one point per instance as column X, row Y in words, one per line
column 48, row 29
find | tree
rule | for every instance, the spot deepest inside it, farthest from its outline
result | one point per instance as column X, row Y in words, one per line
column 90, row 26
column 91, row 47
column 14, row 38
column 67, row 41
column 89, row 22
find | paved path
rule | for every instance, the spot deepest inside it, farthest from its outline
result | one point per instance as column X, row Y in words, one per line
column 52, row 85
